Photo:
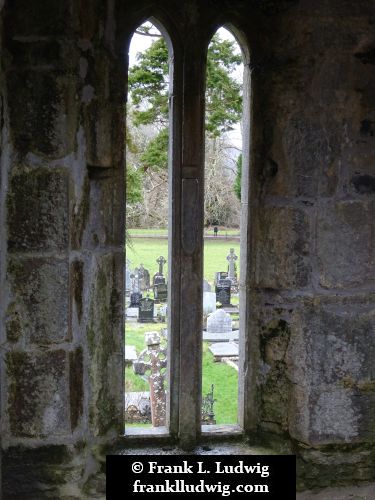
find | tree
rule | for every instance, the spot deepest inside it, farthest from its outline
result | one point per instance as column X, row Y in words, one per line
column 148, row 88
column 237, row 181
column 148, row 110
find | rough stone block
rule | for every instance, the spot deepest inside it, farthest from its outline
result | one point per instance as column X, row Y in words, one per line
column 38, row 211
column 41, row 472
column 34, row 53
column 345, row 244
column 40, row 288
column 274, row 386
column 309, row 154
column 45, row 17
column 282, row 259
column 38, row 393
column 330, row 363
column 76, row 386
column 104, row 343
column 76, row 283
column 101, row 221
column 42, row 110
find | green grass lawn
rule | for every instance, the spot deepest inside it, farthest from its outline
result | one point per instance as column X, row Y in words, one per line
column 146, row 250
column 225, row 381
column 223, row 377
column 223, row 231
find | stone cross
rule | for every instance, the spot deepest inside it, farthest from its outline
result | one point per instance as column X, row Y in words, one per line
column 156, row 361
column 161, row 261
column 134, row 283
column 231, row 258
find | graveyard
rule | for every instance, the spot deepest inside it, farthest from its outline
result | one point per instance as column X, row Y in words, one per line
column 146, row 311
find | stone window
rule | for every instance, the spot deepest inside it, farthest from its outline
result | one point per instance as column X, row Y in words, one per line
column 186, row 214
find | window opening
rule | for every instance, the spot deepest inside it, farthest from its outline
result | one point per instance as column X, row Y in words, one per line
column 223, row 161
column 147, row 261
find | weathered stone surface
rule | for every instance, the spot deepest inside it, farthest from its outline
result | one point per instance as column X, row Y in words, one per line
column 274, row 381
column 104, row 344
column 103, row 198
column 346, row 244
column 52, row 17
column 330, row 363
column 282, row 260
column 40, row 473
column 41, row 302
column 38, row 393
column 76, row 281
column 309, row 155
column 42, row 112
column 76, row 386
column 330, row 465
column 309, row 343
column 37, row 53
column 38, row 211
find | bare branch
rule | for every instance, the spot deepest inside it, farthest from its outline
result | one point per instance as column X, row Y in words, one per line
column 144, row 33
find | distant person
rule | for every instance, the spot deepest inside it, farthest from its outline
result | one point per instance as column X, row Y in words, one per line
column 216, row 229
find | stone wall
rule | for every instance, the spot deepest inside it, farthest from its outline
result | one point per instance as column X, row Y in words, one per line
column 314, row 236
column 61, row 380
column 311, row 346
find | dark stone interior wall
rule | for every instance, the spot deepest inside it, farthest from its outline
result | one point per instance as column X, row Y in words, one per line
column 311, row 257
column 314, row 233
column 62, row 193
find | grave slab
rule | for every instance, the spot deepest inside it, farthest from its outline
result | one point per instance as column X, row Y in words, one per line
column 130, row 354
column 221, row 337
column 132, row 312
column 224, row 350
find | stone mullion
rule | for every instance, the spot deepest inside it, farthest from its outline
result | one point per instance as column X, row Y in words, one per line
column 192, row 213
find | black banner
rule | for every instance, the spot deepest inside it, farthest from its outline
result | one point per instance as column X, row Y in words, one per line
column 214, row 476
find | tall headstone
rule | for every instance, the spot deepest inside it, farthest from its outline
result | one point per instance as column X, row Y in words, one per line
column 134, row 287
column 161, row 261
column 232, row 267
column 222, row 275
column 146, row 310
column 209, row 302
column 206, row 286
column 222, row 290
column 143, row 278
column 158, row 277
column 128, row 272
column 135, row 299
column 161, row 292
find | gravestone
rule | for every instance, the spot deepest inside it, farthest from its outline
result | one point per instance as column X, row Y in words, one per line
column 130, row 354
column 134, row 286
column 219, row 322
column 162, row 312
column 135, row 299
column 143, row 278
column 222, row 275
column 209, row 302
column 224, row 350
column 232, row 267
column 128, row 272
column 161, row 292
column 222, row 290
column 158, row 277
column 221, row 337
column 206, row 286
column 132, row 312
column 146, row 310
column 137, row 408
